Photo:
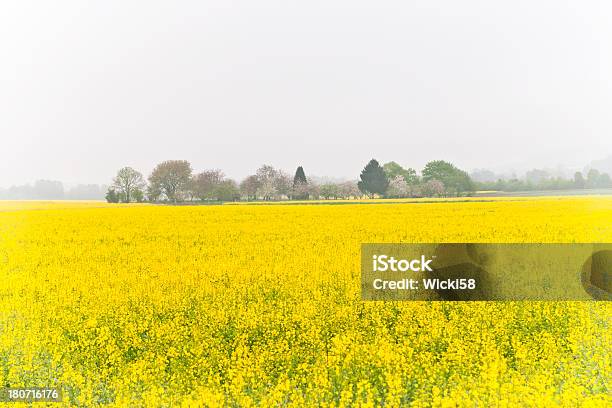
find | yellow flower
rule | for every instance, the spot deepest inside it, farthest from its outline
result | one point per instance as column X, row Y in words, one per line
column 259, row 305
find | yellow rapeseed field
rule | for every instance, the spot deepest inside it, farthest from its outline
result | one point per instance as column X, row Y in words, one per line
column 245, row 305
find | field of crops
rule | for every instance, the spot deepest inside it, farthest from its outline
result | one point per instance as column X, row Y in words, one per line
column 246, row 305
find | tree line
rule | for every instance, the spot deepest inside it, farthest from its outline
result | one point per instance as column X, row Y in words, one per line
column 541, row 180
column 175, row 181
column 53, row 190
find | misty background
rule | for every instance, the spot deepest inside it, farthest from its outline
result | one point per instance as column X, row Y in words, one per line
column 89, row 87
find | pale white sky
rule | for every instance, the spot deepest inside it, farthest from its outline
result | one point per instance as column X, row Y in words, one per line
column 88, row 87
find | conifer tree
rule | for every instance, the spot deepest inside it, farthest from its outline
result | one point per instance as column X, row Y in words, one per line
column 373, row 179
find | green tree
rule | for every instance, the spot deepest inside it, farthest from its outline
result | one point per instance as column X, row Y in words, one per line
column 579, row 181
column 329, row 190
column 153, row 193
column 455, row 181
column 605, row 181
column 112, row 196
column 595, row 179
column 592, row 178
column 300, row 176
column 138, row 195
column 392, row 170
column 227, row 190
column 373, row 179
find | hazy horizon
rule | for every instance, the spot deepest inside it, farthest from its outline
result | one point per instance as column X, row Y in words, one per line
column 504, row 173
column 87, row 88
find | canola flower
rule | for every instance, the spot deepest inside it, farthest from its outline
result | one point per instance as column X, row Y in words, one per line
column 260, row 306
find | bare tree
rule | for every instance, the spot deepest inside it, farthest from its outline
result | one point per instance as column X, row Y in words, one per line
column 127, row 182
column 205, row 184
column 249, row 187
column 153, row 192
column 266, row 175
column 266, row 189
column 283, row 184
column 171, row 178
column 349, row 189
column 313, row 190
